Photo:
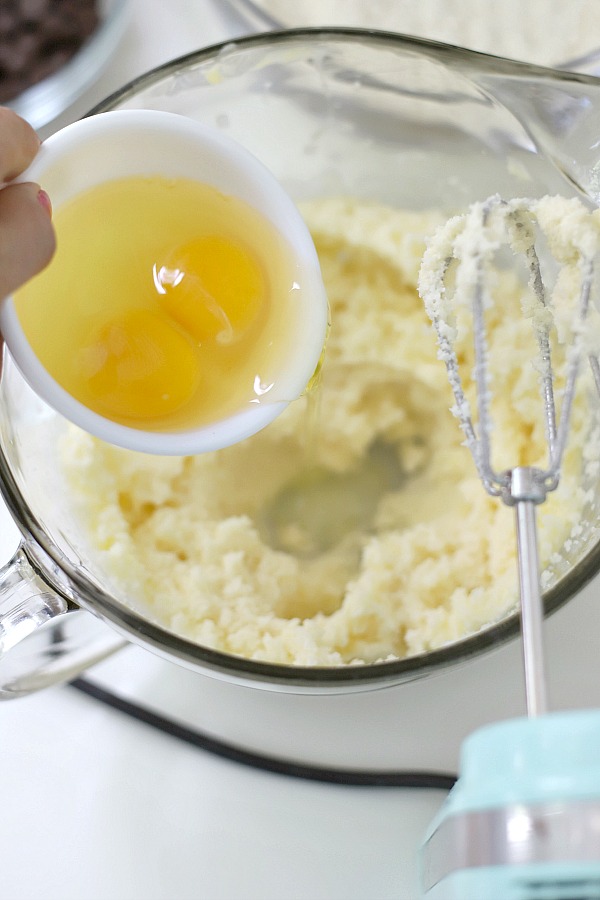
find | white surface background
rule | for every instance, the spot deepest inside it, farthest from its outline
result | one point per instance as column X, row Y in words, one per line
column 96, row 806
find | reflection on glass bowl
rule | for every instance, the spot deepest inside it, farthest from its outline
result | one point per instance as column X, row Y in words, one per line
column 44, row 100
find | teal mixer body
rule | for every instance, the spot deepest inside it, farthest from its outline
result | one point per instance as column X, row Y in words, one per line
column 523, row 821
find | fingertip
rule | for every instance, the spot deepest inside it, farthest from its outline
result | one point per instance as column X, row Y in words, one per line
column 27, row 238
column 19, row 144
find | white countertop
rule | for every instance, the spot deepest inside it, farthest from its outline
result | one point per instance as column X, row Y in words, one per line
column 98, row 806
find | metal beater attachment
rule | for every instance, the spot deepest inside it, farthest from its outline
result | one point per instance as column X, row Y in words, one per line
column 455, row 276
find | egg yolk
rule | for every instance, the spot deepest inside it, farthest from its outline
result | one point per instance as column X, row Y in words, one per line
column 213, row 287
column 139, row 366
column 168, row 305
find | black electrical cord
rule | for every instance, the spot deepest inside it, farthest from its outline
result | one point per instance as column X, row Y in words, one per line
column 400, row 778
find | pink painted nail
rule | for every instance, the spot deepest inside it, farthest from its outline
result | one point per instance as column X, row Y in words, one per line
column 45, row 201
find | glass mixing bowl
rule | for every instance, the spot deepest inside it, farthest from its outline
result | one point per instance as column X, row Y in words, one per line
column 374, row 115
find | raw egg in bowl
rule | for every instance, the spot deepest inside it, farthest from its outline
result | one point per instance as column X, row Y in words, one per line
column 184, row 309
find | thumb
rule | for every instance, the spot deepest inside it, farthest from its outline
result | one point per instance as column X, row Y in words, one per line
column 27, row 239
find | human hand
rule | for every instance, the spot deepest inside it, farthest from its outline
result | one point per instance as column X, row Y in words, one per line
column 26, row 234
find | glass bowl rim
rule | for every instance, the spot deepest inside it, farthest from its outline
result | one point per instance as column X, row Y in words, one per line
column 450, row 54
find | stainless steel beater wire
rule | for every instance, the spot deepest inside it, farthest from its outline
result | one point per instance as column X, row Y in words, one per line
column 595, row 364
column 543, row 338
column 448, row 354
column 482, row 442
column 572, row 373
column 490, row 478
column 557, row 435
column 542, row 331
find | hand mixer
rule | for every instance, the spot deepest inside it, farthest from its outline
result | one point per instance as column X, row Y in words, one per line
column 523, row 821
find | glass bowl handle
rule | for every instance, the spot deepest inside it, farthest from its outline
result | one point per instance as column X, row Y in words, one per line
column 44, row 639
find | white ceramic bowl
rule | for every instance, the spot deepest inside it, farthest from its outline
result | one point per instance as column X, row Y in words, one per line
column 149, row 142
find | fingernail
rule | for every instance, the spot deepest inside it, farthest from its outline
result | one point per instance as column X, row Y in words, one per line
column 45, row 201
